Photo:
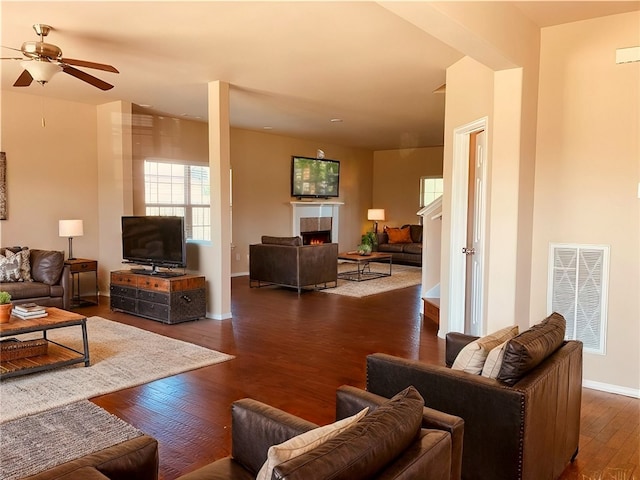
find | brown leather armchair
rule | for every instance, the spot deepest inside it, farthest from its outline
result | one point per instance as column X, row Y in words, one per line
column 286, row 262
column 378, row 446
column 525, row 431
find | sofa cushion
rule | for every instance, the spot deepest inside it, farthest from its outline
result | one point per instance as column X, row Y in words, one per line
column 46, row 266
column 391, row 247
column 291, row 241
column 399, row 235
column 24, row 290
column 416, row 232
column 304, row 442
column 413, row 248
column 529, row 349
column 365, row 448
column 472, row 357
column 25, row 264
column 493, row 362
column 10, row 267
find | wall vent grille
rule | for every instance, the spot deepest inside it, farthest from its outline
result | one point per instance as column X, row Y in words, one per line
column 578, row 287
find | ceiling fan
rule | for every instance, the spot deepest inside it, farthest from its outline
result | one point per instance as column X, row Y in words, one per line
column 42, row 61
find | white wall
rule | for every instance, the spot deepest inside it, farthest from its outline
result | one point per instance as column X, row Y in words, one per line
column 587, row 173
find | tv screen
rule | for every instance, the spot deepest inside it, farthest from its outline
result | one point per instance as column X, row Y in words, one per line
column 155, row 241
column 314, row 177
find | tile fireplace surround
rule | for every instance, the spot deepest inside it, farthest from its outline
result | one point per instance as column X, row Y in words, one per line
column 325, row 213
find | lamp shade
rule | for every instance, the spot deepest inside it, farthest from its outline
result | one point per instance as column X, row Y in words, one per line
column 375, row 214
column 70, row 228
column 41, row 71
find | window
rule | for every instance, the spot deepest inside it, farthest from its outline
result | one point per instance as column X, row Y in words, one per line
column 578, row 280
column 181, row 190
column 430, row 189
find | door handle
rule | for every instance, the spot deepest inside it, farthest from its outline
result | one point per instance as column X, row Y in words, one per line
column 468, row 251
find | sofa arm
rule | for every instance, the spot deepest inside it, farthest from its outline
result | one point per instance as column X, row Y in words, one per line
column 65, row 283
column 256, row 426
column 350, row 400
column 454, row 343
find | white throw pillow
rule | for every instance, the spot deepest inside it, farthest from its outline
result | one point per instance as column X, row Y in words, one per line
column 10, row 268
column 304, row 442
column 494, row 361
column 472, row 357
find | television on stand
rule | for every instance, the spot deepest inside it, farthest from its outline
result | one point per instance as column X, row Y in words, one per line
column 314, row 177
column 158, row 242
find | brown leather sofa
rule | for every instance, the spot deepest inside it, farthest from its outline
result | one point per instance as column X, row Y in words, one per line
column 397, row 439
column 286, row 262
column 51, row 279
column 133, row 459
column 408, row 253
column 525, row 428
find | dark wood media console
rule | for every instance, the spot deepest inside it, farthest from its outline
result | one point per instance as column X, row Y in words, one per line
column 167, row 300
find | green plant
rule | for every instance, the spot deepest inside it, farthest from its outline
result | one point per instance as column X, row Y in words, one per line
column 5, row 297
column 369, row 238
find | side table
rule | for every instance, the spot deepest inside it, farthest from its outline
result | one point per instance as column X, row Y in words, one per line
column 78, row 266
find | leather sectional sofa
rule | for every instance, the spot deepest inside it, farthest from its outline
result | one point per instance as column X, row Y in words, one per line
column 525, row 427
column 286, row 262
column 408, row 251
column 397, row 439
column 48, row 280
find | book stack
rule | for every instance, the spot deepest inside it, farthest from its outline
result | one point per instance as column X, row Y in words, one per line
column 29, row 310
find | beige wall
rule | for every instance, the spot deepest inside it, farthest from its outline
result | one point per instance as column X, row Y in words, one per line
column 261, row 165
column 396, row 181
column 587, row 172
column 51, row 171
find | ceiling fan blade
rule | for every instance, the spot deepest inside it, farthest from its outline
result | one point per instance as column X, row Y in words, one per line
column 84, row 63
column 24, row 80
column 11, row 48
column 12, row 58
column 85, row 77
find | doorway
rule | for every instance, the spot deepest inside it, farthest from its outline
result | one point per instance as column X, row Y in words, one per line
column 468, row 221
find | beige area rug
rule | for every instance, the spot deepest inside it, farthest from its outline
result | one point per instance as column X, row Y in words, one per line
column 121, row 357
column 401, row 276
column 38, row 442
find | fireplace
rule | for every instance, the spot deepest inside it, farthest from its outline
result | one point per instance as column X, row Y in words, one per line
column 317, row 216
column 317, row 237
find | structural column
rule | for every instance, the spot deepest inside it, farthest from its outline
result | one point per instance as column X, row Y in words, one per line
column 216, row 257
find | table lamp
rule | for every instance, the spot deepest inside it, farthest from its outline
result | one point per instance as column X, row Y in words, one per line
column 70, row 228
column 375, row 214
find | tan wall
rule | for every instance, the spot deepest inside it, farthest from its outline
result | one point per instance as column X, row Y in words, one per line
column 396, row 181
column 587, row 172
column 261, row 165
column 51, row 172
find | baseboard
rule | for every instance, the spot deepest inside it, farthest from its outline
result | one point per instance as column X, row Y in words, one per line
column 240, row 274
column 607, row 387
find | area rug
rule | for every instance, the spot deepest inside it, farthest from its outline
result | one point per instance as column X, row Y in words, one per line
column 38, row 442
column 121, row 357
column 401, row 276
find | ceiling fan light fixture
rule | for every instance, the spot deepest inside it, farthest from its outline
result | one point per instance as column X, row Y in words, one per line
column 41, row 71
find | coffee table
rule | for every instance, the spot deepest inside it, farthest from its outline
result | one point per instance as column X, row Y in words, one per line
column 57, row 355
column 362, row 263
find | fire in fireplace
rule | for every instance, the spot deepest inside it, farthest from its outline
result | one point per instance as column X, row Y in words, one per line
column 316, row 237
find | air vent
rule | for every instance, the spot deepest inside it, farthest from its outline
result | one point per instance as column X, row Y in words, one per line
column 578, row 285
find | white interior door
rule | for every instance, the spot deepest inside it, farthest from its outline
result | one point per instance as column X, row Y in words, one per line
column 468, row 218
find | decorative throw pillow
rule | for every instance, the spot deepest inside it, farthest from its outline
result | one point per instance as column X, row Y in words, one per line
column 399, row 235
column 25, row 265
column 10, row 268
column 493, row 363
column 304, row 442
column 46, row 266
column 472, row 357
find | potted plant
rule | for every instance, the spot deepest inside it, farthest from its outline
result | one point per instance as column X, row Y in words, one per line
column 5, row 307
column 367, row 242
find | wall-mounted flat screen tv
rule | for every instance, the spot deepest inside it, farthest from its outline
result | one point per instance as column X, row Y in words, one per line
column 155, row 241
column 314, row 177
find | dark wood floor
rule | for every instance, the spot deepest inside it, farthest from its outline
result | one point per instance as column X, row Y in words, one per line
column 293, row 352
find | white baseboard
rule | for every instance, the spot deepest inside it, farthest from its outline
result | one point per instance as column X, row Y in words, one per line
column 240, row 274
column 607, row 387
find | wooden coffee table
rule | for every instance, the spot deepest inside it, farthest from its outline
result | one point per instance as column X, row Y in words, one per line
column 57, row 355
column 363, row 271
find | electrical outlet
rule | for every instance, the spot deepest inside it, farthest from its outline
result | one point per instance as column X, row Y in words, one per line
column 237, row 257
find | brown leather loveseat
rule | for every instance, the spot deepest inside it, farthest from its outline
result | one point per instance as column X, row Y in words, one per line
column 523, row 426
column 286, row 262
column 397, row 439
column 39, row 276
